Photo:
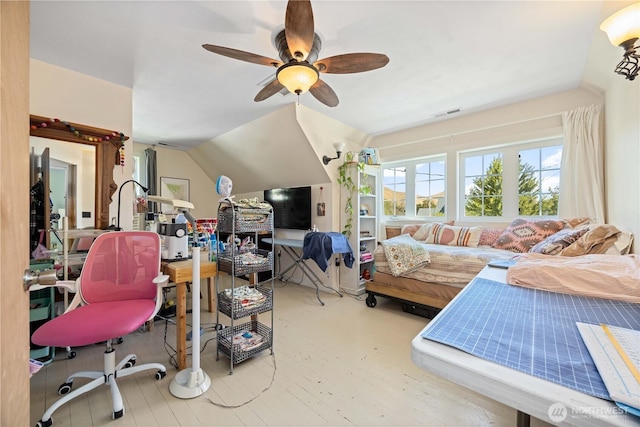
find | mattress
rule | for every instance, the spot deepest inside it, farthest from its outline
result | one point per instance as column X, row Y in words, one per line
column 453, row 266
column 395, row 286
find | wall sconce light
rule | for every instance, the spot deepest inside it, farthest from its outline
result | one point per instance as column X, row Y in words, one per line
column 339, row 146
column 623, row 29
column 297, row 77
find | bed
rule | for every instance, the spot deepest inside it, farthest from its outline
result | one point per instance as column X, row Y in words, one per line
column 426, row 290
column 434, row 284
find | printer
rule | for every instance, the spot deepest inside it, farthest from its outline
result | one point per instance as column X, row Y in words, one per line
column 176, row 241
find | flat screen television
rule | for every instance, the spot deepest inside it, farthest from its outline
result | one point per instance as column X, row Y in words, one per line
column 291, row 207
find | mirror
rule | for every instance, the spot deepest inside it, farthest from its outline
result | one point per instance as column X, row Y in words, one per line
column 72, row 180
column 107, row 144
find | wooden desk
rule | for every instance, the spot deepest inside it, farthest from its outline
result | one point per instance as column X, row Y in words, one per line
column 180, row 272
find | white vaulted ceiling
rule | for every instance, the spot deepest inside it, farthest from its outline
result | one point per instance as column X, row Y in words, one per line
column 444, row 55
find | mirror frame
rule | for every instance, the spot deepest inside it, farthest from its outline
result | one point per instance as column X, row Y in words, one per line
column 107, row 144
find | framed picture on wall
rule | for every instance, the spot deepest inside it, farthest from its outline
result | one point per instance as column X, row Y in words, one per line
column 173, row 188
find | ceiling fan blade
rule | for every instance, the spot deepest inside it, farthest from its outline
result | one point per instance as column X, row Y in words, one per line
column 270, row 89
column 323, row 93
column 242, row 55
column 298, row 28
column 351, row 63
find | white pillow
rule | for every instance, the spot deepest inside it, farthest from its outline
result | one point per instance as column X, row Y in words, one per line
column 622, row 246
column 422, row 233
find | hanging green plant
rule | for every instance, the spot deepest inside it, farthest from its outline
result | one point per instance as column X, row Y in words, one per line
column 345, row 179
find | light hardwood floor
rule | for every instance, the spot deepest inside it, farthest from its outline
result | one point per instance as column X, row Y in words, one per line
column 342, row 364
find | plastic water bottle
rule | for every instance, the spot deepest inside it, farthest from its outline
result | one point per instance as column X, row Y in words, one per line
column 213, row 247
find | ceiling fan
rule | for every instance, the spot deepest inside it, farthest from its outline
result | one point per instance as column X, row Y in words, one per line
column 299, row 68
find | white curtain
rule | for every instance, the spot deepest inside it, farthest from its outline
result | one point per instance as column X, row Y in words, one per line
column 582, row 170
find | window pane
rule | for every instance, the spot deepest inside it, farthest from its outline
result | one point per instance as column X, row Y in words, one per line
column 473, row 166
column 394, row 182
column 483, row 185
column 539, row 181
column 551, row 157
column 429, row 196
column 473, row 206
column 437, row 169
column 531, row 157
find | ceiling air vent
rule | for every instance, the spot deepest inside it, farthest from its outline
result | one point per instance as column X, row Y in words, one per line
column 447, row 113
column 166, row 144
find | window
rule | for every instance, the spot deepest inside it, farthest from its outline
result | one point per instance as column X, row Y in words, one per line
column 483, row 185
column 510, row 181
column 415, row 188
column 539, row 181
column 395, row 188
column 137, row 175
column 429, row 194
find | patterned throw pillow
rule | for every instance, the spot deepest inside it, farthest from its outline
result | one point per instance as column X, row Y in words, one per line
column 420, row 232
column 489, row 236
column 450, row 235
column 410, row 229
column 404, row 254
column 522, row 234
column 555, row 243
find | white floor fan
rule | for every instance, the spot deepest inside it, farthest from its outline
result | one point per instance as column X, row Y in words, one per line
column 192, row 382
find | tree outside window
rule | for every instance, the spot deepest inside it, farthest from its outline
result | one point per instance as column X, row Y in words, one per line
column 483, row 185
column 538, row 183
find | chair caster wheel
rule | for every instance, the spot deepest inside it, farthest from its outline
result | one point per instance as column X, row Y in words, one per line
column 44, row 423
column 118, row 414
column 371, row 300
column 161, row 374
column 65, row 388
column 119, row 340
column 71, row 354
column 130, row 363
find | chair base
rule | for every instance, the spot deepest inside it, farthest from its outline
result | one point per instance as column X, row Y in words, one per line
column 127, row 366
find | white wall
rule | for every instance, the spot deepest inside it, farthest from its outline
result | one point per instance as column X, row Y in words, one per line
column 622, row 156
column 178, row 164
column 529, row 120
column 64, row 94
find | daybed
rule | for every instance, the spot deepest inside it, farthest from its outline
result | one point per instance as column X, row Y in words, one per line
column 435, row 280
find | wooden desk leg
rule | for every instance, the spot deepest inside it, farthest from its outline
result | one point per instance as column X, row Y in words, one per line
column 181, row 325
column 212, row 295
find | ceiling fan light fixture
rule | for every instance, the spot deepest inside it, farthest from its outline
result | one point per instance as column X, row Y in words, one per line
column 297, row 77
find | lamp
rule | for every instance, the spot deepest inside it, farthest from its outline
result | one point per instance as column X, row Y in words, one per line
column 623, row 29
column 297, row 77
column 339, row 146
column 176, row 203
column 145, row 189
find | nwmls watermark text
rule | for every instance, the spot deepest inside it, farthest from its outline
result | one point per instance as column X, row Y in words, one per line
column 558, row 412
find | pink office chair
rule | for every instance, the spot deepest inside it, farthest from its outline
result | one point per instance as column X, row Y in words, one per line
column 119, row 289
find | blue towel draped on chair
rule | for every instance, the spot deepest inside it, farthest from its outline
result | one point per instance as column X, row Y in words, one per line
column 320, row 246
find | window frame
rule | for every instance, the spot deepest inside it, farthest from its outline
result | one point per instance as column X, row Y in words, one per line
column 510, row 168
column 410, row 187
